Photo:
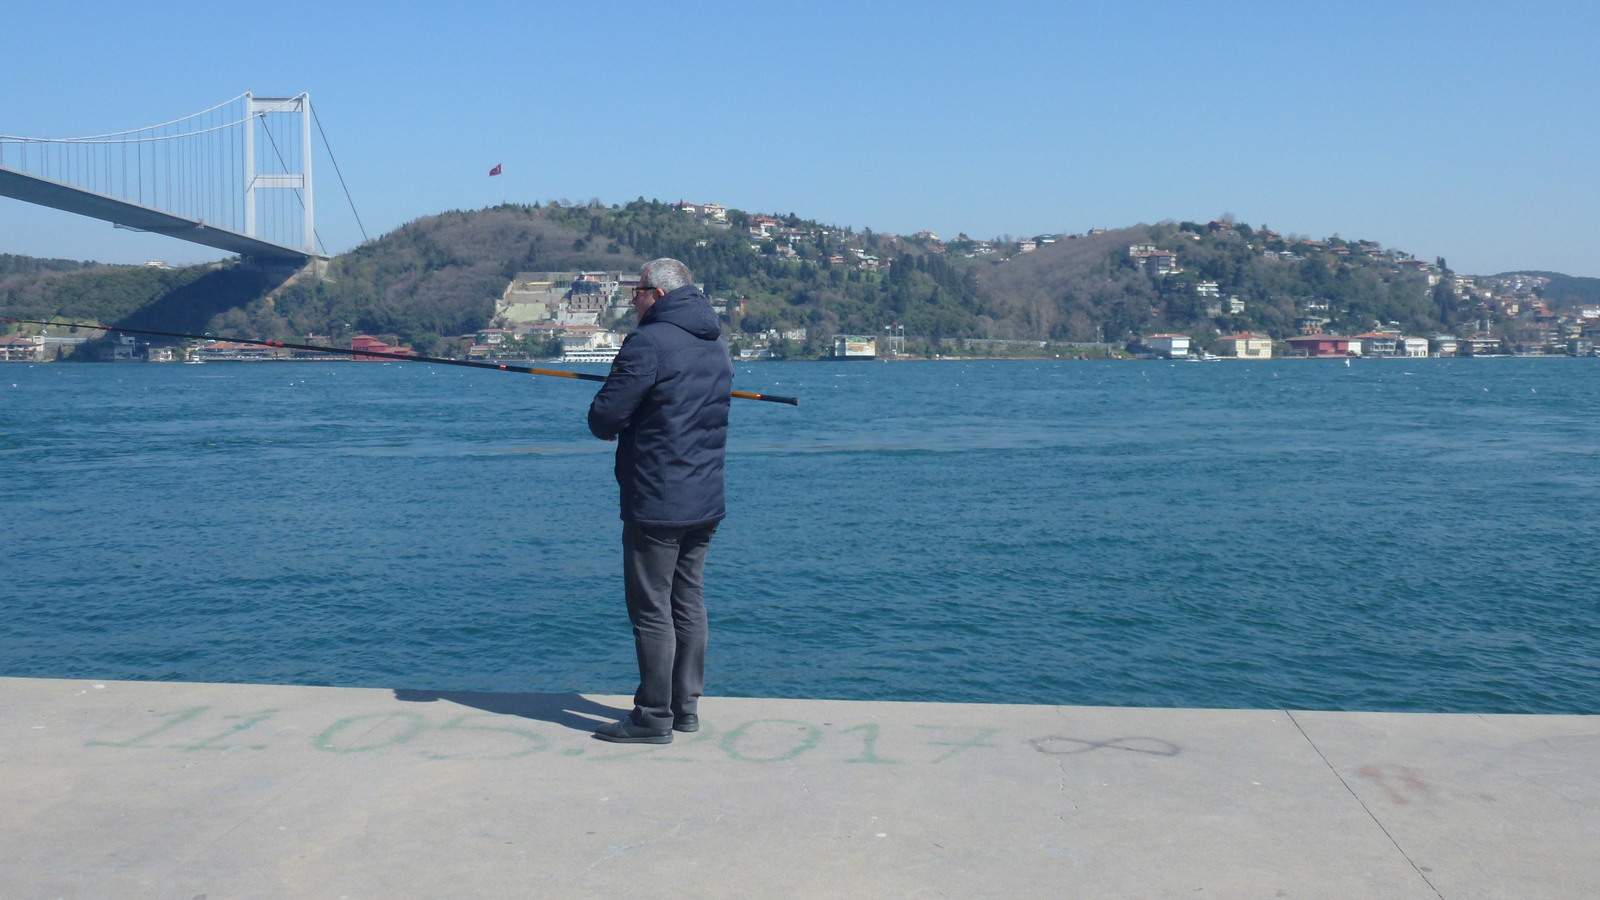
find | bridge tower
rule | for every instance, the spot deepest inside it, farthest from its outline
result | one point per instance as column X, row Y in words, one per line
column 259, row 108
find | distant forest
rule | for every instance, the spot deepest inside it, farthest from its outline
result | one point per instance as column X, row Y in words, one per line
column 440, row 275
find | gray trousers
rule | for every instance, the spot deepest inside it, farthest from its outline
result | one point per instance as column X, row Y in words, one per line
column 664, row 573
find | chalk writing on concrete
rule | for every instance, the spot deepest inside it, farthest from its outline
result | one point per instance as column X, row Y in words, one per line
column 241, row 724
column 975, row 738
column 1058, row 745
column 409, row 727
column 173, row 720
column 498, row 736
column 772, row 749
column 869, row 745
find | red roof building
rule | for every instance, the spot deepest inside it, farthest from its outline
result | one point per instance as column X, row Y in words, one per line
column 371, row 344
column 1321, row 345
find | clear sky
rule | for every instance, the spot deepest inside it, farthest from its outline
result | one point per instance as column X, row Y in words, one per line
column 1460, row 130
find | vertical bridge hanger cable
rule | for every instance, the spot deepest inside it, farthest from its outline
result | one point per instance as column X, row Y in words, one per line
column 267, row 130
column 318, row 119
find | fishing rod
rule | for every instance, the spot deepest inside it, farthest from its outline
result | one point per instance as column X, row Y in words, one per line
column 438, row 360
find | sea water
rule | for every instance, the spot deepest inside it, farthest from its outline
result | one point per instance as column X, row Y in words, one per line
column 1415, row 535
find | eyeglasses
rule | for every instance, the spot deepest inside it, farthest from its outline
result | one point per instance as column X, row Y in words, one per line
column 641, row 289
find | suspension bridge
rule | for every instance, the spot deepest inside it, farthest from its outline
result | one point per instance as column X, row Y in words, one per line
column 236, row 177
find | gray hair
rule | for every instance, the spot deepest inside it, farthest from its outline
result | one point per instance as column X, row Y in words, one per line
column 665, row 275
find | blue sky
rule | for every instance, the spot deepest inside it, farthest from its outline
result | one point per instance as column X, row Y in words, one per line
column 1460, row 130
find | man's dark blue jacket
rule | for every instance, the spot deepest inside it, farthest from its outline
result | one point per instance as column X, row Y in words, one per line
column 666, row 402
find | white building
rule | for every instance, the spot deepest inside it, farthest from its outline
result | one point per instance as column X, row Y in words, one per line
column 571, row 317
column 1246, row 345
column 21, row 349
column 1172, row 346
column 1413, row 348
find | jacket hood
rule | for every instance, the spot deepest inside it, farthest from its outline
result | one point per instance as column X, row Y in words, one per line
column 688, row 309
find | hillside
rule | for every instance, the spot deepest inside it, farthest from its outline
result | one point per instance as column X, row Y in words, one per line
column 1566, row 288
column 440, row 275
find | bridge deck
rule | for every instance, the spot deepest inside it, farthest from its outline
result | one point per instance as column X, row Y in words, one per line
column 160, row 790
column 44, row 192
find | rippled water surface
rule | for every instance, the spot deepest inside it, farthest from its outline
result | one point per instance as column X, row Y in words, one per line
column 1398, row 535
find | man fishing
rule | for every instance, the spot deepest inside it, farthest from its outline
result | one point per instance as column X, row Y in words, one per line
column 665, row 403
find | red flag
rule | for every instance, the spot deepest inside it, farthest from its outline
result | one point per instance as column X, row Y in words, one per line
column 495, row 170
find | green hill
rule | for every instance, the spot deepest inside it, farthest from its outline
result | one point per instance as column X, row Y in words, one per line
column 440, row 275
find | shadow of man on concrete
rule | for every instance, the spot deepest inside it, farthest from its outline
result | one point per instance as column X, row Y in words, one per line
column 567, row 710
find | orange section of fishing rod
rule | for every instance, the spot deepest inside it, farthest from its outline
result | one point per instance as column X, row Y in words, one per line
column 770, row 398
column 402, row 357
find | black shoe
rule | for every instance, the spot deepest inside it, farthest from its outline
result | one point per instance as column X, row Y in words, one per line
column 625, row 732
column 686, row 723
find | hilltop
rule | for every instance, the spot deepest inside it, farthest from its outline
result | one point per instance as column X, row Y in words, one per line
column 441, row 275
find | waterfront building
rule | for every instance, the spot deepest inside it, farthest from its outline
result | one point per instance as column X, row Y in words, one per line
column 119, row 348
column 588, row 344
column 213, row 351
column 1171, row 346
column 854, row 346
column 1481, row 345
column 1378, row 343
column 22, row 349
column 1443, row 345
column 1323, row 346
column 370, row 343
column 1246, row 345
column 1413, row 348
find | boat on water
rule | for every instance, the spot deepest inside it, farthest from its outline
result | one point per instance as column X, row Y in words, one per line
column 594, row 355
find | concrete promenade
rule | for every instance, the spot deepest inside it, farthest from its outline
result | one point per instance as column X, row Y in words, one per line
column 190, row 791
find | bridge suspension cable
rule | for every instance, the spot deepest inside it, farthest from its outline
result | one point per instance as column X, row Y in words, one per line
column 201, row 168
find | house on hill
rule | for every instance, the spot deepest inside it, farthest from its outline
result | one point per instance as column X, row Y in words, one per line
column 1152, row 261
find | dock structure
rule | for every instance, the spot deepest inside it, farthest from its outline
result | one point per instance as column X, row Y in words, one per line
column 179, row 791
